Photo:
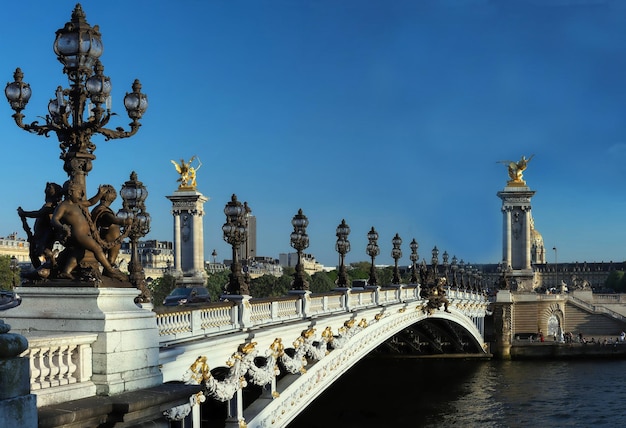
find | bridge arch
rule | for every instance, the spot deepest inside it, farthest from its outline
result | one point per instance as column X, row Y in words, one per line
column 297, row 391
column 327, row 335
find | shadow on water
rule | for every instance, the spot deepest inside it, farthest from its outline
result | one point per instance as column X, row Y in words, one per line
column 383, row 391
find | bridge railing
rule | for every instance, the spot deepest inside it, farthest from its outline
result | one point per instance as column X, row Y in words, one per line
column 182, row 323
column 277, row 309
column 175, row 324
column 60, row 367
column 327, row 303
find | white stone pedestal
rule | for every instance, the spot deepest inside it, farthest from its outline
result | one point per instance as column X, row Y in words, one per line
column 126, row 352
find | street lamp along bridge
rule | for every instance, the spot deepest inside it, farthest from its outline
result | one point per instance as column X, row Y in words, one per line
column 75, row 115
column 80, row 293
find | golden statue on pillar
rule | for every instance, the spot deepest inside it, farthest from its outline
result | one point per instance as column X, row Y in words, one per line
column 187, row 173
column 516, row 169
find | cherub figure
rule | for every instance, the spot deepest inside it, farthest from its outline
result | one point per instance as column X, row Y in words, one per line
column 42, row 238
column 72, row 221
column 108, row 224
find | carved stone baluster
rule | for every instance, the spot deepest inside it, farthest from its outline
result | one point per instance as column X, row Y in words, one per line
column 44, row 367
column 35, row 372
column 54, row 366
column 72, row 353
column 63, row 364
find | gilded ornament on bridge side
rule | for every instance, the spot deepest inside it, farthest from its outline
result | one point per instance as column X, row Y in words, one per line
column 277, row 347
column 308, row 333
column 436, row 297
column 247, row 347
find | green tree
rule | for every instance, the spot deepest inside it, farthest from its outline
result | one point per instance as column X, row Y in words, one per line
column 359, row 270
column 160, row 288
column 614, row 280
column 7, row 277
column 321, row 283
column 332, row 275
column 385, row 275
column 216, row 284
column 268, row 286
column 287, row 278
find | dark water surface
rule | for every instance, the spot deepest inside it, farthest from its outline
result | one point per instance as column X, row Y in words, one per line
column 384, row 392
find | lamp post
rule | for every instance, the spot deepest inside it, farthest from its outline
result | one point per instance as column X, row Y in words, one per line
column 434, row 262
column 396, row 253
column 299, row 241
column 133, row 194
column 468, row 271
column 235, row 234
column 82, row 110
column 14, row 268
column 75, row 114
column 372, row 250
column 343, row 247
column 446, row 265
column 479, row 281
column 505, row 270
column 454, row 266
column 462, row 272
column 556, row 266
column 414, row 257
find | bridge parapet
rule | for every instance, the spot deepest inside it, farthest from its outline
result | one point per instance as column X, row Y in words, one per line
column 60, row 367
column 177, row 325
column 180, row 325
column 275, row 309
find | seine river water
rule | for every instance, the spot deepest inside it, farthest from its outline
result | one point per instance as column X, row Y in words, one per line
column 404, row 392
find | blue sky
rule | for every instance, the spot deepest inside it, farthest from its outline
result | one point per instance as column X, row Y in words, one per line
column 387, row 114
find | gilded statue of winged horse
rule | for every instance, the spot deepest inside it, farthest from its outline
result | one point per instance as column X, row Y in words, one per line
column 187, row 172
column 517, row 168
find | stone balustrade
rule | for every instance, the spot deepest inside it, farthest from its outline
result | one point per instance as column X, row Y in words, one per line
column 175, row 324
column 181, row 324
column 60, row 367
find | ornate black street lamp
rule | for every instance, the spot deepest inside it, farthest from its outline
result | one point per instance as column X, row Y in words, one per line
column 396, row 254
column 455, row 267
column 462, row 272
column 505, row 271
column 300, row 242
column 75, row 114
column 14, row 266
column 82, row 110
column 372, row 250
column 446, row 265
column 342, row 247
column 414, row 258
column 479, row 280
column 434, row 262
column 235, row 233
column 134, row 194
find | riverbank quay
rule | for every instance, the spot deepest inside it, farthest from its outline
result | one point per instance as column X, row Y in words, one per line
column 558, row 350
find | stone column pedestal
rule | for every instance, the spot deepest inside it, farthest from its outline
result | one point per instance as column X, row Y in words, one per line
column 502, row 324
column 18, row 407
column 188, row 212
column 126, row 352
